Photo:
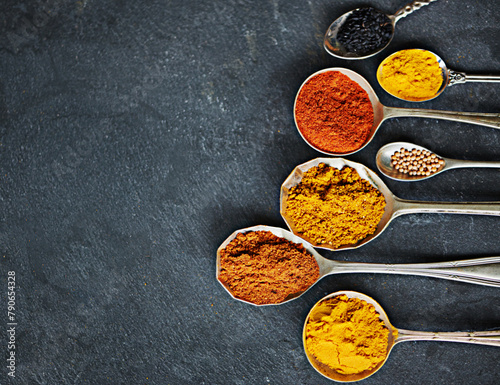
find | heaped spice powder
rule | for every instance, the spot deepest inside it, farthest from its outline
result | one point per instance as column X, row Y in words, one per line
column 333, row 113
column 262, row 268
column 347, row 335
column 333, row 208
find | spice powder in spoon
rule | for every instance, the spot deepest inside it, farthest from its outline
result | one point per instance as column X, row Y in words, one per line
column 332, row 207
column 262, row 268
column 347, row 335
column 334, row 113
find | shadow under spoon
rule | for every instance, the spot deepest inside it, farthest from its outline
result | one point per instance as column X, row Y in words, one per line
column 383, row 160
column 396, row 335
column 481, row 271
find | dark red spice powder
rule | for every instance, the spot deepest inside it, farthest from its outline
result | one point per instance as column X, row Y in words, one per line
column 262, row 268
column 333, row 113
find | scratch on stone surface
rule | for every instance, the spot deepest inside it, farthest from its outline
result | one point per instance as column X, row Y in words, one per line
column 277, row 17
column 275, row 9
column 252, row 44
column 318, row 29
column 208, row 91
column 81, row 5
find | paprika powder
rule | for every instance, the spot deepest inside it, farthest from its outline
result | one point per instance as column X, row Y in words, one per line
column 262, row 268
column 334, row 113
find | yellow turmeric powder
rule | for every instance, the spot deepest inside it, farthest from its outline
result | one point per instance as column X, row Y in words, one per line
column 411, row 74
column 347, row 335
column 333, row 207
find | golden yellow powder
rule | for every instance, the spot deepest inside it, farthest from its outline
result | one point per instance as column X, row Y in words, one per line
column 347, row 335
column 334, row 207
column 411, row 74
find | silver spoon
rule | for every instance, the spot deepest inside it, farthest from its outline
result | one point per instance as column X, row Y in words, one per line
column 382, row 113
column 383, row 160
column 491, row 338
column 394, row 206
column 450, row 77
column 335, row 48
column 481, row 271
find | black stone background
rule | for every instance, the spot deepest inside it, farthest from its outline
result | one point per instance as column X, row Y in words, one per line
column 136, row 136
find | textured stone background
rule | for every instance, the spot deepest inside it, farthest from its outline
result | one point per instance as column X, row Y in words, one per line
column 135, row 137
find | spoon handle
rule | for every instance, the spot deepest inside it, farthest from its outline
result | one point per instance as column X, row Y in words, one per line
column 455, row 163
column 402, row 207
column 480, row 271
column 407, row 9
column 482, row 119
column 461, row 77
column 491, row 337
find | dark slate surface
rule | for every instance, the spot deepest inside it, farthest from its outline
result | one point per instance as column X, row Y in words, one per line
column 135, row 137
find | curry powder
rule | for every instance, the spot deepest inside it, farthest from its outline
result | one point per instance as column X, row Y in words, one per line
column 334, row 207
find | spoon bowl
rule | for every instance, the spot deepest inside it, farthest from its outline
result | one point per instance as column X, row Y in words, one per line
column 394, row 205
column 383, row 161
column 279, row 232
column 332, row 374
column 481, row 271
column 378, row 108
column 381, row 112
column 449, row 76
column 445, row 74
column 364, row 172
column 395, row 336
column 337, row 49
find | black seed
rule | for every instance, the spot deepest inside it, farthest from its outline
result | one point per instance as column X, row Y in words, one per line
column 364, row 31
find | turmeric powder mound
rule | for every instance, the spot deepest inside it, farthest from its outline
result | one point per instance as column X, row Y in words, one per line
column 262, row 268
column 411, row 74
column 334, row 207
column 347, row 335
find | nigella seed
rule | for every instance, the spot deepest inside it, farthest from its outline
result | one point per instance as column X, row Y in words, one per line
column 364, row 31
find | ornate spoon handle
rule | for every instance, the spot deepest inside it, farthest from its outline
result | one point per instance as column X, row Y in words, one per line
column 480, row 271
column 462, row 77
column 407, row 9
column 491, row 338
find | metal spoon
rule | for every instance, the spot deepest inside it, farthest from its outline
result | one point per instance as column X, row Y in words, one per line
column 335, row 48
column 480, row 271
column 382, row 113
column 394, row 205
column 383, row 160
column 450, row 77
column 491, row 338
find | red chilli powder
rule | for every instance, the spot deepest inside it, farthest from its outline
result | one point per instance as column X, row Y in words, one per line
column 333, row 113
